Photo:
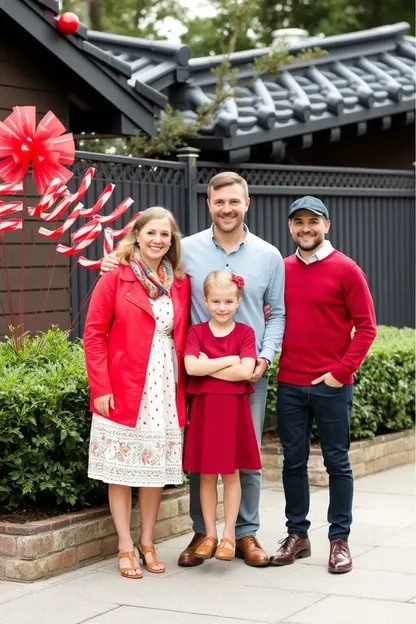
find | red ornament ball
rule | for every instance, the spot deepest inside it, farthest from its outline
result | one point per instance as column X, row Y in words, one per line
column 68, row 23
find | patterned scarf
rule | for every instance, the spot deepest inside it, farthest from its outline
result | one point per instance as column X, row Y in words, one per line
column 154, row 284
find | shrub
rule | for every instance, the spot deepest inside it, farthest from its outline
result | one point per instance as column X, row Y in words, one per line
column 44, row 424
column 384, row 388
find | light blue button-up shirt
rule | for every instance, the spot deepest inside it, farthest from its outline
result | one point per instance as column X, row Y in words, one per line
column 262, row 267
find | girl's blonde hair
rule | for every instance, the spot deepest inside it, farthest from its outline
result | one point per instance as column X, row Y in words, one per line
column 128, row 246
column 221, row 278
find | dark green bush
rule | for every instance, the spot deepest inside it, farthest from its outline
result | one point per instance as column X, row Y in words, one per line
column 384, row 389
column 44, row 424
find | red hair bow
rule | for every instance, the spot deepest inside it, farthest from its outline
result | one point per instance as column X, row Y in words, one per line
column 237, row 279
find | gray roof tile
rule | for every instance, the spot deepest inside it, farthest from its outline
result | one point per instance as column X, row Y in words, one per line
column 158, row 64
column 363, row 76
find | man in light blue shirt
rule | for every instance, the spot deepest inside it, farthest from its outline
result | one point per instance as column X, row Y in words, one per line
column 228, row 245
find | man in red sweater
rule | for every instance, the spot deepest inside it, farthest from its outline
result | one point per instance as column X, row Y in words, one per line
column 326, row 296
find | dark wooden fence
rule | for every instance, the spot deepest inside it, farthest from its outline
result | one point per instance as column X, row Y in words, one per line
column 372, row 214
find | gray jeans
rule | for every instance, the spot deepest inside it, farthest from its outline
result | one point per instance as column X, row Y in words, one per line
column 248, row 520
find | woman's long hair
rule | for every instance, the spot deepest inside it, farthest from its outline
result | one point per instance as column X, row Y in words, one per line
column 128, row 246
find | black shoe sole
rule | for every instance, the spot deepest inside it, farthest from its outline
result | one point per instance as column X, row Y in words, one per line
column 304, row 554
column 191, row 565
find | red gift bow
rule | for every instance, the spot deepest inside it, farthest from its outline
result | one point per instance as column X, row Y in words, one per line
column 237, row 279
column 44, row 146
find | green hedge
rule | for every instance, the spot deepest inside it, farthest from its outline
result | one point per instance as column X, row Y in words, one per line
column 384, row 389
column 45, row 421
column 44, row 425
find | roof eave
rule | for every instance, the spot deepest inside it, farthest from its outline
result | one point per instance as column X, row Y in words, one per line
column 296, row 129
column 73, row 57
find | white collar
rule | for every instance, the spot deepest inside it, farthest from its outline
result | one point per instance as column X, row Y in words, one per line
column 322, row 253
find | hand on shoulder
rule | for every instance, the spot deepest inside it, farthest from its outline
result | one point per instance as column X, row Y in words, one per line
column 109, row 263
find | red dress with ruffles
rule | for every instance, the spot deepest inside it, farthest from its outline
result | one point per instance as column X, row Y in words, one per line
column 220, row 437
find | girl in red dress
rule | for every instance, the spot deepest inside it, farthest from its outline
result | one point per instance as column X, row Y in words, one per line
column 220, row 358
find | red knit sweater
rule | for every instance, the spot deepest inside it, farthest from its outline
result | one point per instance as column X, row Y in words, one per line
column 324, row 301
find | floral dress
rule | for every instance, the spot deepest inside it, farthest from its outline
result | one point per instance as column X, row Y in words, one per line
column 150, row 455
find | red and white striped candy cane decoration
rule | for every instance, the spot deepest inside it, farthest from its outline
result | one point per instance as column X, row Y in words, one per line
column 107, row 249
column 7, row 188
column 11, row 225
column 117, row 212
column 109, row 236
column 92, row 234
column 123, row 232
column 10, row 208
column 101, row 201
column 54, row 191
column 66, row 225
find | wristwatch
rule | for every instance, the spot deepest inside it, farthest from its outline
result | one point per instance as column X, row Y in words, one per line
column 268, row 363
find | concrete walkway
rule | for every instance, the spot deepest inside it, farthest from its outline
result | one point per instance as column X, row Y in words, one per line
column 379, row 590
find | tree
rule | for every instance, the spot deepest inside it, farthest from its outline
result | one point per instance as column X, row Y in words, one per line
column 328, row 17
column 211, row 35
column 236, row 19
column 135, row 18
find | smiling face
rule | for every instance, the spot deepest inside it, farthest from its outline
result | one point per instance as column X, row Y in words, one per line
column 154, row 240
column 222, row 302
column 227, row 206
column 308, row 230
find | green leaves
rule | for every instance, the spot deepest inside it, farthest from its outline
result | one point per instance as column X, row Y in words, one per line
column 384, row 389
column 44, row 424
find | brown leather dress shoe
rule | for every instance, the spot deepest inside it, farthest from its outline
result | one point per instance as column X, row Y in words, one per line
column 339, row 557
column 187, row 557
column 293, row 547
column 249, row 549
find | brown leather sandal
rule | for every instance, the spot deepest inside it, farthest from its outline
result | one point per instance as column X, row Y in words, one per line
column 143, row 550
column 130, row 555
column 207, row 548
column 223, row 552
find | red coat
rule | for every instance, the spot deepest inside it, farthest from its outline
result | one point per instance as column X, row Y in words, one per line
column 118, row 337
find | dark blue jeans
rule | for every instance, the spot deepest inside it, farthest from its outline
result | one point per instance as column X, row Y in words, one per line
column 297, row 408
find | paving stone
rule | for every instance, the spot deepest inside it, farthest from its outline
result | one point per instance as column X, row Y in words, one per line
column 388, row 516
column 134, row 615
column 359, row 583
column 380, row 500
column 389, row 559
column 399, row 480
column 176, row 595
column 12, row 591
column 56, row 604
column 340, row 610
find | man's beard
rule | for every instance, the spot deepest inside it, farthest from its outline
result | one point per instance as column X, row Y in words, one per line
column 313, row 243
column 231, row 225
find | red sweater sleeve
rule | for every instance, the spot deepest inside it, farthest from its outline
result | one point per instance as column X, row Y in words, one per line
column 359, row 303
column 193, row 345
column 99, row 318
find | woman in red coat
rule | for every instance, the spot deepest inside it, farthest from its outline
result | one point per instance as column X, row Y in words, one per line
column 134, row 339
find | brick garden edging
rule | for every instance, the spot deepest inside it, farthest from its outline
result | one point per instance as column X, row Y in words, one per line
column 43, row 548
column 367, row 457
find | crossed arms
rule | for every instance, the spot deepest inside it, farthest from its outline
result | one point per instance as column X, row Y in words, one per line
column 229, row 368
